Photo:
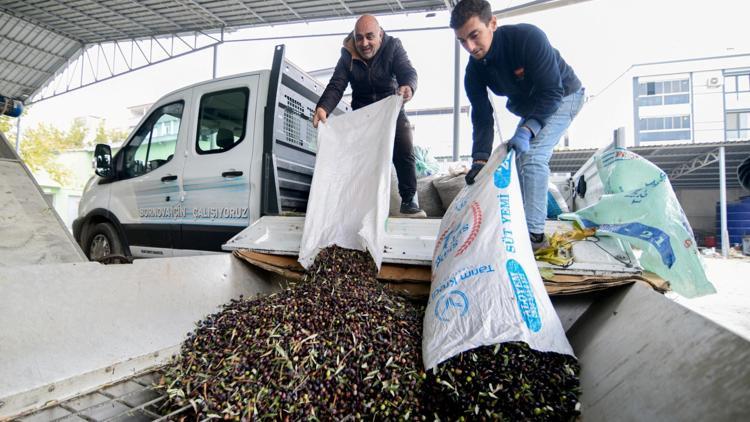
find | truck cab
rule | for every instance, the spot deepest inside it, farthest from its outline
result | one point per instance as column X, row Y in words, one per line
column 204, row 163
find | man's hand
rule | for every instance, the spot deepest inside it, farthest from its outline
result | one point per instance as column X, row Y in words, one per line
column 520, row 140
column 320, row 116
column 406, row 92
column 476, row 167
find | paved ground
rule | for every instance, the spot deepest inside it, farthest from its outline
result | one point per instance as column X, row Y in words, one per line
column 730, row 306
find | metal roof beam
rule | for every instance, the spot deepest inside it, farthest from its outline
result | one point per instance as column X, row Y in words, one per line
column 61, row 29
column 121, row 16
column 249, row 9
column 437, row 111
column 291, row 10
column 27, row 67
column 193, row 13
column 534, row 6
column 32, row 47
column 87, row 16
column 708, row 179
column 38, row 24
column 17, row 83
column 208, row 12
column 155, row 13
column 704, row 186
column 714, row 183
column 696, row 163
column 349, row 11
column 105, row 58
column 128, row 63
column 73, row 25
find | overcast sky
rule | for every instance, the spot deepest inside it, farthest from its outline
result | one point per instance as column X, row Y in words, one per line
column 600, row 39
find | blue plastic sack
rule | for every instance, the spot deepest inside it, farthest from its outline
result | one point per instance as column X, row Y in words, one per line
column 556, row 204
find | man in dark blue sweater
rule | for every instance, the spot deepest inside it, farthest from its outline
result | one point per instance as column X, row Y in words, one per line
column 518, row 62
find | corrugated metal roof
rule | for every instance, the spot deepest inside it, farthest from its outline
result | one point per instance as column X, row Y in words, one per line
column 670, row 158
column 37, row 37
column 29, row 55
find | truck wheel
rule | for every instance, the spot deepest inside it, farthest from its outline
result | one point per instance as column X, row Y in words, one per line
column 102, row 240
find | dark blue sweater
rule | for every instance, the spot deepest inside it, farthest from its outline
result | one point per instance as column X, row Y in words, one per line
column 523, row 66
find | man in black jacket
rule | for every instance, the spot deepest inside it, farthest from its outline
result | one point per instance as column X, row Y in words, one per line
column 376, row 65
column 518, row 62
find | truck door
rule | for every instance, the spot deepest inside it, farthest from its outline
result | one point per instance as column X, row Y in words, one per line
column 216, row 174
column 146, row 193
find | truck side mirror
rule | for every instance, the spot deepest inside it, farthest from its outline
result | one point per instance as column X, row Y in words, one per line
column 743, row 174
column 103, row 160
column 581, row 187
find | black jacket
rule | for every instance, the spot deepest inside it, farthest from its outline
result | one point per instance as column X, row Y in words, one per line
column 373, row 81
column 523, row 66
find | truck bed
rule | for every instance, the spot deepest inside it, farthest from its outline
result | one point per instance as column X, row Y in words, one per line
column 643, row 356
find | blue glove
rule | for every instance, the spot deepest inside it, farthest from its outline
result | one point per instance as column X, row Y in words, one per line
column 520, row 140
column 476, row 167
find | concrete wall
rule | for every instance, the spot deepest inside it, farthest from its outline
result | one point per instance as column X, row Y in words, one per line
column 65, row 201
column 738, row 101
column 708, row 106
column 700, row 207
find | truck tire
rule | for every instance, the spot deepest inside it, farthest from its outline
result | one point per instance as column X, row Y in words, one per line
column 102, row 240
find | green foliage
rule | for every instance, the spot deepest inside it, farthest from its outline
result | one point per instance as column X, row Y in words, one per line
column 109, row 136
column 41, row 145
column 5, row 125
column 8, row 128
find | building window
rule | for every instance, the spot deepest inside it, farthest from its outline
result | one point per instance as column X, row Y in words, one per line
column 664, row 92
column 734, row 84
column 221, row 120
column 671, row 128
column 738, row 125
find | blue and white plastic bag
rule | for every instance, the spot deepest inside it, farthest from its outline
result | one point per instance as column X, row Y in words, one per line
column 486, row 288
column 640, row 207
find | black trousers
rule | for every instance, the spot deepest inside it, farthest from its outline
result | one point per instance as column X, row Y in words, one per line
column 403, row 158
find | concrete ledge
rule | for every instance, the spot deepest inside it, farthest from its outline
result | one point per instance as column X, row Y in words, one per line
column 645, row 357
column 69, row 328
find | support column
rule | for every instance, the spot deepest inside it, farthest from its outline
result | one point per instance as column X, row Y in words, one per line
column 619, row 137
column 18, row 136
column 456, row 97
column 723, row 203
column 213, row 74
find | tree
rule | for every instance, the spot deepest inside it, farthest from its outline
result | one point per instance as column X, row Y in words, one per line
column 109, row 136
column 6, row 127
column 41, row 145
column 5, row 124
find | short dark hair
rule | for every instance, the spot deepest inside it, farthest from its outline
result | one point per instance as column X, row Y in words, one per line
column 467, row 9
